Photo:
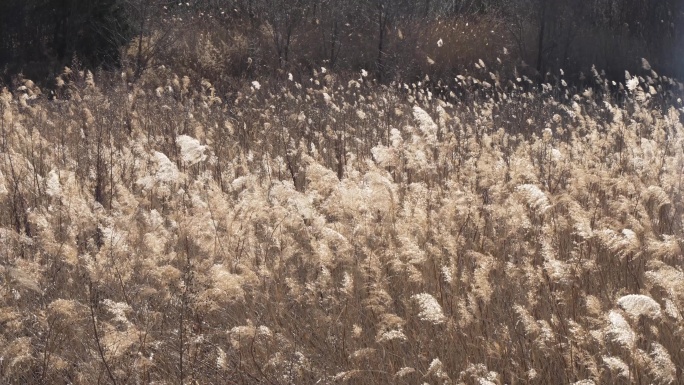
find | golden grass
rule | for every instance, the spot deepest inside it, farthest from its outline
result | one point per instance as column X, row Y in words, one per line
column 340, row 231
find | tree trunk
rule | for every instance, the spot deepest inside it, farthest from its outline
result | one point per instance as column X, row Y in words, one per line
column 382, row 18
column 139, row 62
column 540, row 41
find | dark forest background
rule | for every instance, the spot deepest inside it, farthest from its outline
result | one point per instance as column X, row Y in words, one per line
column 393, row 39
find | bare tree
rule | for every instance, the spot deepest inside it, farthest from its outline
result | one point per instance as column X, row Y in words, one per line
column 155, row 28
column 283, row 17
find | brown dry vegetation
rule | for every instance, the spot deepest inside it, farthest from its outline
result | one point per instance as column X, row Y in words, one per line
column 341, row 231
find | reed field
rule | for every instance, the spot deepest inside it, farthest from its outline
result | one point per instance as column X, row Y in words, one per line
column 337, row 230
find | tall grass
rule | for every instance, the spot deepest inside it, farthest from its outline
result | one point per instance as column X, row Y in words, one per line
column 341, row 231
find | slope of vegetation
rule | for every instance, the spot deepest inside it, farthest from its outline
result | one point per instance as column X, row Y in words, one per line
column 342, row 231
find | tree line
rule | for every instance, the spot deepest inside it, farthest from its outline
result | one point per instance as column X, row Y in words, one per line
column 36, row 33
column 393, row 38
